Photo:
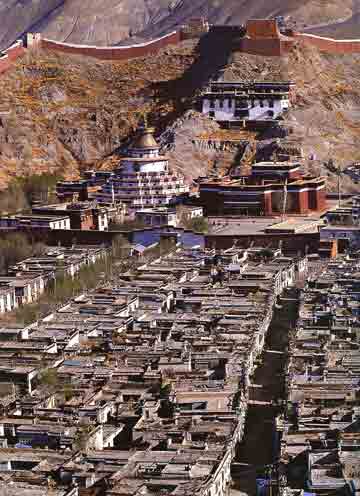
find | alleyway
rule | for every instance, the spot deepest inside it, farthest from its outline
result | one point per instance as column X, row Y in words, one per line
column 259, row 446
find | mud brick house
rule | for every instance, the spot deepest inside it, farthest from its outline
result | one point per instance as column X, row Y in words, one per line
column 7, row 299
column 34, row 221
column 75, row 190
column 28, row 288
column 83, row 215
column 270, row 189
column 322, row 377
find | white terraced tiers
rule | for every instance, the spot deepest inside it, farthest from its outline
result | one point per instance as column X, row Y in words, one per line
column 143, row 178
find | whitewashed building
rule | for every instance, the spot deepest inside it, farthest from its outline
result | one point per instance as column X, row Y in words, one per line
column 34, row 221
column 8, row 301
column 231, row 101
column 143, row 178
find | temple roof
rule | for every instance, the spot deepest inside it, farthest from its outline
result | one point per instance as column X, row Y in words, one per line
column 144, row 139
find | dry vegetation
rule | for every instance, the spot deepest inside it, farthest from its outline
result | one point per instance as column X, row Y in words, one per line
column 109, row 22
column 325, row 115
column 68, row 113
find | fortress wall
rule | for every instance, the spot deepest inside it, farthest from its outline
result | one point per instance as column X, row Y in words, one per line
column 8, row 56
column 5, row 63
column 264, row 38
column 114, row 53
column 266, row 48
column 330, row 45
column 262, row 28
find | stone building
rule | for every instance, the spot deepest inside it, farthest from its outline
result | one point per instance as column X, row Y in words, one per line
column 143, row 178
column 232, row 102
column 270, row 189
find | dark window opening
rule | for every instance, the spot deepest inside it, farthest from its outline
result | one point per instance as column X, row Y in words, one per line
column 241, row 113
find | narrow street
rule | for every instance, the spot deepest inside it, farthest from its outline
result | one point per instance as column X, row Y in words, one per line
column 260, row 447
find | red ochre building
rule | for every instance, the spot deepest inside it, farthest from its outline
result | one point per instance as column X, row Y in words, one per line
column 270, row 189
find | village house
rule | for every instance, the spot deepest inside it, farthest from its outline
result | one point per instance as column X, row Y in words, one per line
column 160, row 360
column 83, row 215
column 33, row 221
column 8, row 300
column 320, row 433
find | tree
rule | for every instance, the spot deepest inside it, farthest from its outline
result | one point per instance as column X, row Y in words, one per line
column 16, row 247
column 197, row 224
column 68, row 392
column 81, row 438
column 49, row 378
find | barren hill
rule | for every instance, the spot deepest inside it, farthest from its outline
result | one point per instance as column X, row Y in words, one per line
column 108, row 22
column 67, row 113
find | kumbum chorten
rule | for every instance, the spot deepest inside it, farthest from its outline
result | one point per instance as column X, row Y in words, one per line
column 142, row 178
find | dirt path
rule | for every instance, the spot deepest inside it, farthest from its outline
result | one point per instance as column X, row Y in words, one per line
column 260, row 446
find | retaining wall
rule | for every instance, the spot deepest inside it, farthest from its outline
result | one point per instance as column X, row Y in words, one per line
column 114, row 53
column 329, row 44
column 7, row 57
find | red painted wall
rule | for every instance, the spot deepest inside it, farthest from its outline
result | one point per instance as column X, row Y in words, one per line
column 114, row 53
column 5, row 64
column 329, row 44
column 7, row 57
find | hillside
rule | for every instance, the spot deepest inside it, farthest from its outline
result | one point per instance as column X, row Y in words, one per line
column 66, row 113
column 110, row 21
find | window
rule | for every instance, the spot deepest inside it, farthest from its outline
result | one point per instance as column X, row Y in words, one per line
column 271, row 103
column 261, row 103
column 211, row 113
column 212, row 104
column 221, row 104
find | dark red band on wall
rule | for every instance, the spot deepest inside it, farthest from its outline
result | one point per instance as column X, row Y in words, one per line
column 10, row 55
column 114, row 53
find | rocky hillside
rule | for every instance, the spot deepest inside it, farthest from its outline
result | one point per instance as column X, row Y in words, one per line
column 110, row 21
column 324, row 119
column 64, row 114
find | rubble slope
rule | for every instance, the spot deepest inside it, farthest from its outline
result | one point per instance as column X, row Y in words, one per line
column 66, row 113
column 110, row 21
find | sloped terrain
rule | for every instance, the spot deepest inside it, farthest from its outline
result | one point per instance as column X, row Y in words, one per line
column 67, row 113
column 108, row 22
column 324, row 119
column 20, row 16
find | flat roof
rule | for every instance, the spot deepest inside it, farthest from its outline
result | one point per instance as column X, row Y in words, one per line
column 276, row 165
column 259, row 225
column 40, row 217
